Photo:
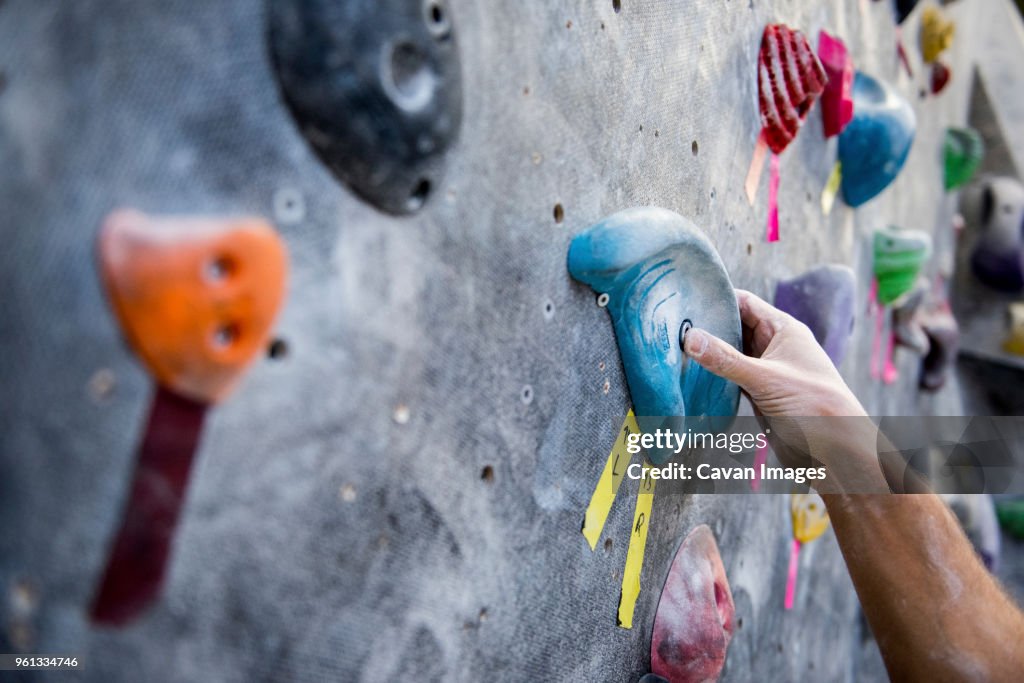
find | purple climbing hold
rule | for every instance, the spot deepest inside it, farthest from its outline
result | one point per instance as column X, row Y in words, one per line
column 824, row 300
column 998, row 255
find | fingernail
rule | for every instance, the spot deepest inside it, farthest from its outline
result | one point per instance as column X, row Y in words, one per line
column 696, row 343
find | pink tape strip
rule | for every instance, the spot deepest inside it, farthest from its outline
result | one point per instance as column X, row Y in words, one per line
column 874, row 308
column 773, row 199
column 794, row 566
column 890, row 374
column 902, row 52
column 760, row 458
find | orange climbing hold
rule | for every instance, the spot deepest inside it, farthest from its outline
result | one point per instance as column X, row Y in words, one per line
column 196, row 297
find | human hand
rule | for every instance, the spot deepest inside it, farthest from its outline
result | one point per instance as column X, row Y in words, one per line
column 793, row 384
column 784, row 372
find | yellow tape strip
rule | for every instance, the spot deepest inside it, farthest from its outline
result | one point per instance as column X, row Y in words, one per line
column 635, row 554
column 608, row 484
column 828, row 195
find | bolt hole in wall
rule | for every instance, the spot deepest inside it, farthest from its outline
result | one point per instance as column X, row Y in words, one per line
column 558, row 213
column 607, row 545
column 695, row 148
column 617, row 6
column 437, row 19
column 289, row 206
column 277, row 349
column 549, row 310
column 487, row 474
column 526, row 395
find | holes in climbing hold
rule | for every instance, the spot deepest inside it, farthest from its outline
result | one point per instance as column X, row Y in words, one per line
column 437, row 19
column 220, row 268
column 694, row 148
column 487, row 474
column 419, row 194
column 558, row 213
column 617, row 6
column 602, row 299
column 277, row 349
column 683, row 329
column 526, row 395
column 407, row 76
column 225, row 335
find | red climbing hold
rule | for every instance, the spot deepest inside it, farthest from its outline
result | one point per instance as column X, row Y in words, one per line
column 940, row 77
column 694, row 621
column 790, row 78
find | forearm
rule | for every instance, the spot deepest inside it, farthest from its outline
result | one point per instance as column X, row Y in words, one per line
column 936, row 612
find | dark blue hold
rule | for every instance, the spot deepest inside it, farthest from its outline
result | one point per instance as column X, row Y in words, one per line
column 873, row 147
column 903, row 8
column 660, row 274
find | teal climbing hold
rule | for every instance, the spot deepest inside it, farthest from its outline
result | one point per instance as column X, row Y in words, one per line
column 873, row 147
column 662, row 275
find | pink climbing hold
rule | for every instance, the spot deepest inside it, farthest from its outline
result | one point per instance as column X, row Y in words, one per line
column 694, row 621
column 837, row 100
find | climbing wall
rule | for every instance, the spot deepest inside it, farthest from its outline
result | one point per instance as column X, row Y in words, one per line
column 398, row 493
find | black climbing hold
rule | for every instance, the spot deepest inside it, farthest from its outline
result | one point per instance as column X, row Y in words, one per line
column 375, row 87
column 903, row 8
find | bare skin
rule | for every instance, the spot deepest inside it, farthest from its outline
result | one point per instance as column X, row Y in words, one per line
column 936, row 612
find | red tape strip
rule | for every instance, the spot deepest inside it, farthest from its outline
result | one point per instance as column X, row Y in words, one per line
column 138, row 559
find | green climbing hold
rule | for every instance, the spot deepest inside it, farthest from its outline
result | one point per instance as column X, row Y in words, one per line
column 899, row 255
column 1011, row 516
column 963, row 151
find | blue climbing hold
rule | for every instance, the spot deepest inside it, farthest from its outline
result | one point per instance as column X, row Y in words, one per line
column 662, row 275
column 873, row 147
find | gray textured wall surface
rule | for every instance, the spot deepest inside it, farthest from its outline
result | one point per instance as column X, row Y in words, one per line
column 431, row 573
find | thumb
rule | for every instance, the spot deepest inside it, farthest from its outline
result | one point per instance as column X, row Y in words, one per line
column 721, row 358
